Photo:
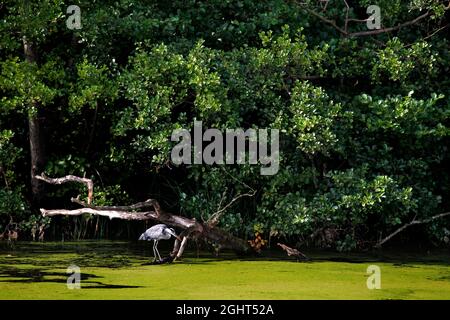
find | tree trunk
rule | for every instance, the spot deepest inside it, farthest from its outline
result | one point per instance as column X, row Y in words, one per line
column 37, row 156
column 37, row 153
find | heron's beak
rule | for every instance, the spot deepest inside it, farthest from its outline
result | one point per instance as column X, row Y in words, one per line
column 179, row 239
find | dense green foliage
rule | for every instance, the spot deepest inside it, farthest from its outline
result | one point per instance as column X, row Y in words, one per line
column 364, row 121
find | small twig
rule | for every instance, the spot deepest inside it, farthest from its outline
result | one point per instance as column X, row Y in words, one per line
column 328, row 21
column 346, row 16
column 429, row 36
column 237, row 180
column 2, row 171
column 224, row 193
column 324, row 8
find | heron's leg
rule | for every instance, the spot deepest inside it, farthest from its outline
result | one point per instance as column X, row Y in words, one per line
column 159, row 256
column 154, row 250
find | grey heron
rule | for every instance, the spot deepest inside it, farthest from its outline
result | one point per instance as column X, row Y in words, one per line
column 156, row 233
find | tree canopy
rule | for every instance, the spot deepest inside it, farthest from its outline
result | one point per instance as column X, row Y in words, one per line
column 363, row 114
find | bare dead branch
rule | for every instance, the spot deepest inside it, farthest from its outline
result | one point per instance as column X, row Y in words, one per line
column 106, row 213
column 215, row 217
column 358, row 20
column 224, row 194
column 144, row 204
column 181, row 248
column 429, row 35
column 324, row 8
column 236, row 179
column 70, row 178
column 326, row 20
column 384, row 30
column 189, row 225
column 344, row 31
column 413, row 222
column 163, row 217
column 346, row 16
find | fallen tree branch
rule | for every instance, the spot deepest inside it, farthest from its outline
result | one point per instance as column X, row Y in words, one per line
column 111, row 214
column 413, row 222
column 190, row 227
column 166, row 218
column 144, row 204
column 178, row 248
column 70, row 178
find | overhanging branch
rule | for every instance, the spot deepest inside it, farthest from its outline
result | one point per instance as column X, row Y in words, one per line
column 413, row 222
column 144, row 204
column 70, row 178
column 384, row 30
column 106, row 213
column 344, row 31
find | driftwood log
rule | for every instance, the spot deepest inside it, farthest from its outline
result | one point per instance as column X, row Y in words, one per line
column 191, row 228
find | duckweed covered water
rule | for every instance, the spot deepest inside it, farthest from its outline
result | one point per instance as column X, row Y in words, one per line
column 121, row 270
